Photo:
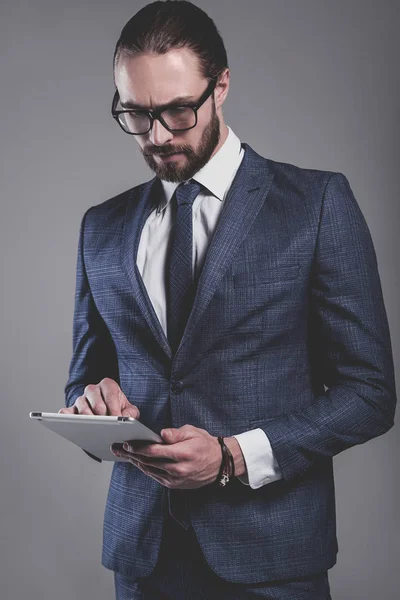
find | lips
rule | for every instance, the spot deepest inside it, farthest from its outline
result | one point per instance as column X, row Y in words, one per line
column 170, row 157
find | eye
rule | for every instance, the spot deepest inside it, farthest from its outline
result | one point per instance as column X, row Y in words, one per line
column 138, row 113
column 176, row 110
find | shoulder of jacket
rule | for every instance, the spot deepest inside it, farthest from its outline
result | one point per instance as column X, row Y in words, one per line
column 308, row 183
column 117, row 204
column 292, row 172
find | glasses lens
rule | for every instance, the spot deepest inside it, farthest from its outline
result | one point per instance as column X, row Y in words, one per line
column 138, row 122
column 181, row 117
column 135, row 122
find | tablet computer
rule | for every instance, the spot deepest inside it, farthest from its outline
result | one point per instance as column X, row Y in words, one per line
column 95, row 433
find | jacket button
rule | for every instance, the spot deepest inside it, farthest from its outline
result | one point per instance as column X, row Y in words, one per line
column 177, row 387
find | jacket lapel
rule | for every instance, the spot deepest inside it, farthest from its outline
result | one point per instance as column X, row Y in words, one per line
column 142, row 201
column 245, row 198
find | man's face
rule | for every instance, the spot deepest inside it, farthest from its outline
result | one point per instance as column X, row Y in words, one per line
column 153, row 80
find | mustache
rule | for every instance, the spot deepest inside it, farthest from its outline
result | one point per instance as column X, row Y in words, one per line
column 162, row 151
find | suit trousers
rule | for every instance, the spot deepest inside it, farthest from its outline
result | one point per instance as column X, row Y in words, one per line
column 181, row 573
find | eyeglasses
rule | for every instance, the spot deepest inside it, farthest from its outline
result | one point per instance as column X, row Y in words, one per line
column 173, row 117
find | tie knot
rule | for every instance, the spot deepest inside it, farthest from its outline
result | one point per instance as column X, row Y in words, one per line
column 187, row 192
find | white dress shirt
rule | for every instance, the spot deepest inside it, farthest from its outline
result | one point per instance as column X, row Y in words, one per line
column 216, row 176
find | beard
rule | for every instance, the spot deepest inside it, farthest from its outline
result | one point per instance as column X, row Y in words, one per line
column 195, row 159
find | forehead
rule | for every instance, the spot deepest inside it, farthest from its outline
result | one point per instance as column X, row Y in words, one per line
column 156, row 79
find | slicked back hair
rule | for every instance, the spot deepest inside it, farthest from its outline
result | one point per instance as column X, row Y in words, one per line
column 171, row 24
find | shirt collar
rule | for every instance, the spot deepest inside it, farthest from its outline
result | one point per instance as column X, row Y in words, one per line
column 217, row 173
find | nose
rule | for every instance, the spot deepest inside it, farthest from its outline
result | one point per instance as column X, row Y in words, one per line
column 159, row 135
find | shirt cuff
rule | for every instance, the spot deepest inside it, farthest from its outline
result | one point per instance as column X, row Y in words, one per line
column 261, row 464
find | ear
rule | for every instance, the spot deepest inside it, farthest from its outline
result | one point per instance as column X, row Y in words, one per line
column 222, row 88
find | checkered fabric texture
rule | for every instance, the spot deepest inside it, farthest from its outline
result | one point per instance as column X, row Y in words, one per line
column 288, row 332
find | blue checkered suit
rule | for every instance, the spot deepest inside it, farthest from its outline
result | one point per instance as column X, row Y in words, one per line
column 289, row 302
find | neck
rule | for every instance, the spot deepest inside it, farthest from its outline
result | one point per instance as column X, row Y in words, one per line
column 224, row 134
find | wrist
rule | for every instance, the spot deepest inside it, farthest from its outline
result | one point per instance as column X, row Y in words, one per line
column 238, row 458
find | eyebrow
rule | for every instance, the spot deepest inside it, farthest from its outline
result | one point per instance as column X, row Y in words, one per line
column 175, row 102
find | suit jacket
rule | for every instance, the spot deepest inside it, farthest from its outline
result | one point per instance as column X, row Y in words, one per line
column 288, row 332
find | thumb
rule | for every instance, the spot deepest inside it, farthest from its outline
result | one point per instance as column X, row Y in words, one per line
column 171, row 435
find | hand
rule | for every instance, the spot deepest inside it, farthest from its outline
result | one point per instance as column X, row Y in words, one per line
column 105, row 398
column 189, row 458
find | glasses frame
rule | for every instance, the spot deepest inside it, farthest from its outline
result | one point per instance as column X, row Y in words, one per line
column 156, row 114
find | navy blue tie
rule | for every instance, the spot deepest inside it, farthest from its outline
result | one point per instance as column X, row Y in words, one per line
column 180, row 285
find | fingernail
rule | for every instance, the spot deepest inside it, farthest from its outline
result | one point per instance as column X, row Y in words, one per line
column 126, row 446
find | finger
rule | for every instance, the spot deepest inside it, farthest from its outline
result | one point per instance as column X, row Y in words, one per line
column 116, row 448
column 128, row 409
column 111, row 394
column 159, row 465
column 137, row 447
column 95, row 400
column 151, row 450
column 116, row 401
column 82, row 406
column 153, row 463
column 157, row 468
column 70, row 410
column 154, row 472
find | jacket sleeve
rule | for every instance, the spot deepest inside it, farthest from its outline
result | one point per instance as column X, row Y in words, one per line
column 93, row 352
column 349, row 342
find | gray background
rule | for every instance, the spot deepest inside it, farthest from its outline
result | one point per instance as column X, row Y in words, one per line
column 314, row 83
